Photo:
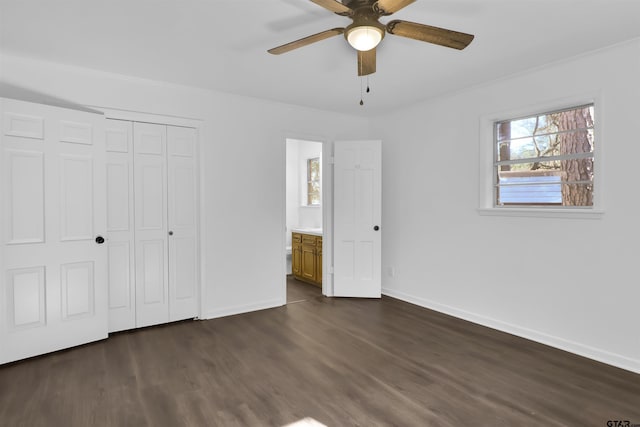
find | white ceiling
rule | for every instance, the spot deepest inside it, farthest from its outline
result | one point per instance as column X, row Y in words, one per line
column 222, row 44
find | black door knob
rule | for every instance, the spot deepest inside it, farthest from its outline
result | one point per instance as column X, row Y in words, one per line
column 376, row 228
column 99, row 240
column 170, row 233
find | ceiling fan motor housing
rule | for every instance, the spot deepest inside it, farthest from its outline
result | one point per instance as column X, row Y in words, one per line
column 363, row 15
column 356, row 4
column 368, row 5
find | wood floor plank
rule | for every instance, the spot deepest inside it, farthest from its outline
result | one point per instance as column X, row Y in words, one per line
column 343, row 362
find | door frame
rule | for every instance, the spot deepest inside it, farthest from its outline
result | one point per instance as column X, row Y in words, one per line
column 137, row 116
column 327, row 210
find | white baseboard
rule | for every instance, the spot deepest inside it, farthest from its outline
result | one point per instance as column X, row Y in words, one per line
column 245, row 308
column 600, row 355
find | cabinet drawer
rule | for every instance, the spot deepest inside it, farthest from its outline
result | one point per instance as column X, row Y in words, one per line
column 295, row 237
column 308, row 240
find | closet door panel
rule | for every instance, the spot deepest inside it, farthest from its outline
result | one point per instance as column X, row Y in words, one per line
column 76, row 197
column 183, row 216
column 78, row 287
column 183, row 273
column 120, row 225
column 24, row 125
column 119, row 136
column 151, row 260
column 24, row 175
column 150, row 199
column 120, row 283
column 152, row 264
column 118, row 193
column 26, row 299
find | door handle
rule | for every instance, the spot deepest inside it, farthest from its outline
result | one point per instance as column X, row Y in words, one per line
column 376, row 228
column 99, row 240
column 170, row 233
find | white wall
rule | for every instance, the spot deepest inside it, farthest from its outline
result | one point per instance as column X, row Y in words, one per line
column 448, row 257
column 242, row 146
column 299, row 215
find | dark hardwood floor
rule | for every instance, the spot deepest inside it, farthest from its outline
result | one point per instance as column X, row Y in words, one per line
column 343, row 362
column 298, row 291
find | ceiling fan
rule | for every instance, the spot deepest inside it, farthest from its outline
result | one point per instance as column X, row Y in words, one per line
column 366, row 31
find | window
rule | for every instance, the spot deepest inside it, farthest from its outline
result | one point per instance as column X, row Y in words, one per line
column 545, row 159
column 313, row 182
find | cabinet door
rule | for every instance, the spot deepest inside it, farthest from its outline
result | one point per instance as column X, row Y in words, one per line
column 309, row 261
column 152, row 290
column 53, row 292
column 296, row 255
column 183, row 247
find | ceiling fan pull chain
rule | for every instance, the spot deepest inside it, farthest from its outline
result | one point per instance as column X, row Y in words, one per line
column 361, row 101
column 368, row 90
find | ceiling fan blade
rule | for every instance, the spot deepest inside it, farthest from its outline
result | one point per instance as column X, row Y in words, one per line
column 334, row 6
column 367, row 62
column 306, row 41
column 429, row 34
column 387, row 7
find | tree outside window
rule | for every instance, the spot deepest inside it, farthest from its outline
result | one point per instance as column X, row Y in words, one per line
column 546, row 159
column 313, row 182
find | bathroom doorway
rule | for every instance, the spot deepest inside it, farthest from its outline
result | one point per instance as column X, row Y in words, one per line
column 304, row 221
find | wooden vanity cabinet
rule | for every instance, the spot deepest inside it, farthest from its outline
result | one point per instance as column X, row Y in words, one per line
column 306, row 258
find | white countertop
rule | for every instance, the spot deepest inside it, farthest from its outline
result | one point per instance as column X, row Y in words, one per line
column 303, row 230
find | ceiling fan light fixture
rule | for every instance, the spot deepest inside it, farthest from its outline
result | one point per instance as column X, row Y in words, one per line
column 364, row 37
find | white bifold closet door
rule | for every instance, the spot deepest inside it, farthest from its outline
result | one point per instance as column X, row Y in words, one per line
column 120, row 225
column 53, row 287
column 153, row 258
column 183, row 239
column 151, row 231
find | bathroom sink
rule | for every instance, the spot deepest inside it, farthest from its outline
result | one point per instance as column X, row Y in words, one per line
column 307, row 230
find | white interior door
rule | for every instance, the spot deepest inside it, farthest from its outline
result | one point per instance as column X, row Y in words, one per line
column 183, row 253
column 120, row 225
column 357, row 215
column 53, row 273
column 152, row 290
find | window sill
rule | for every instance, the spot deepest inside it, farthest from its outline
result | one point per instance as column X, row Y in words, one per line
column 543, row 213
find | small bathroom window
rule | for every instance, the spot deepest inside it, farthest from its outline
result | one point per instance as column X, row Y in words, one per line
column 313, row 182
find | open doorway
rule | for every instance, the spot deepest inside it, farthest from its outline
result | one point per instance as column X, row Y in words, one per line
column 304, row 211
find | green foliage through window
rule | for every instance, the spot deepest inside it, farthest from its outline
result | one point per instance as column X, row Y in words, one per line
column 313, row 182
